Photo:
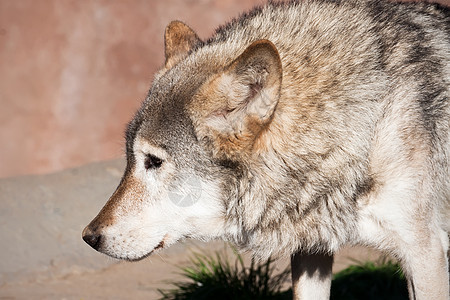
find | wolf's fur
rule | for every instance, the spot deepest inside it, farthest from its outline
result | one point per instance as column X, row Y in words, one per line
column 309, row 125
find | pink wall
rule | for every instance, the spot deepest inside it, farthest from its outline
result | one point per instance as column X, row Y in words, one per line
column 72, row 72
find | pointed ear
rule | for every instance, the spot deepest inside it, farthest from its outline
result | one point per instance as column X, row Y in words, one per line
column 179, row 39
column 251, row 85
column 242, row 100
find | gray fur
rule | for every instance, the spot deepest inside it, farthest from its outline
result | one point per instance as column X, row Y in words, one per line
column 362, row 117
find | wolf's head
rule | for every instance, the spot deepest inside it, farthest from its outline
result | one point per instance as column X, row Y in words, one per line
column 206, row 114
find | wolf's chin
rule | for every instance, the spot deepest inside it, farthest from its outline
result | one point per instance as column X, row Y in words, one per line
column 138, row 258
column 133, row 259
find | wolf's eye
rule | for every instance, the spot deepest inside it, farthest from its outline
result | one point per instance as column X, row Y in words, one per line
column 152, row 162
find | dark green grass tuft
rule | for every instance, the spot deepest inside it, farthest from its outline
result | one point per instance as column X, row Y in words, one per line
column 382, row 280
column 213, row 277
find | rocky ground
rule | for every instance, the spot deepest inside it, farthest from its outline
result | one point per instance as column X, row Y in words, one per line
column 42, row 254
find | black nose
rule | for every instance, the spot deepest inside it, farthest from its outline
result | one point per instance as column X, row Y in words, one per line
column 92, row 239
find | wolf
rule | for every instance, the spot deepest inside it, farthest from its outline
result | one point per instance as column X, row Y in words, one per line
column 296, row 129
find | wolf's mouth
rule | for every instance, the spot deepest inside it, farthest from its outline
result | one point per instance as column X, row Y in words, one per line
column 159, row 246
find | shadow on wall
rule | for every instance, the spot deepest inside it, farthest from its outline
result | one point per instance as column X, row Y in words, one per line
column 73, row 73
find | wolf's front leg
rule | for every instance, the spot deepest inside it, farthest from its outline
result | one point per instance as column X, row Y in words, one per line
column 311, row 276
column 426, row 266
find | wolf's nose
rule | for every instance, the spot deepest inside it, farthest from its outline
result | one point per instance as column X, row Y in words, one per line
column 92, row 239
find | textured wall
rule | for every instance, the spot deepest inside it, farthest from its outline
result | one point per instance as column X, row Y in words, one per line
column 72, row 72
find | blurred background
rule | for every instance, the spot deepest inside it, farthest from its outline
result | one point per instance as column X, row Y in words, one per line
column 73, row 72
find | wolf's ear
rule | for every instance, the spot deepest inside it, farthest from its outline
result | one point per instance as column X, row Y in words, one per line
column 251, row 85
column 179, row 39
column 246, row 96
